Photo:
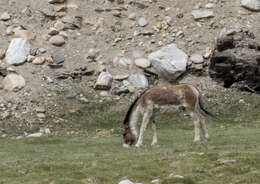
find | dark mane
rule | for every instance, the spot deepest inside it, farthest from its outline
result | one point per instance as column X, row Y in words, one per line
column 128, row 114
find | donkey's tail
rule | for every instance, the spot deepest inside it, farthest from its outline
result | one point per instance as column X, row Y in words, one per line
column 204, row 110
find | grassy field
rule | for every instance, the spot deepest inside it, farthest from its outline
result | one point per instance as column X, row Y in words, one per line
column 232, row 155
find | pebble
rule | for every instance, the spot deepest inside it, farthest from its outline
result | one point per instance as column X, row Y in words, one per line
column 52, row 31
column 2, row 53
column 56, row 1
column 200, row 14
column 13, row 82
column 132, row 16
column 142, row 63
column 5, row 16
column 40, row 110
column 83, row 100
column 57, row 40
column 253, row 5
column 196, row 58
column 39, row 60
column 58, row 58
column 21, row 33
column 142, row 22
column 71, row 95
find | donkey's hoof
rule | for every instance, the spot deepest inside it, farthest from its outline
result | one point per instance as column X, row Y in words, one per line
column 126, row 146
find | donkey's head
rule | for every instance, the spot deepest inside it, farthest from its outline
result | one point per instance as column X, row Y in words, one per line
column 128, row 137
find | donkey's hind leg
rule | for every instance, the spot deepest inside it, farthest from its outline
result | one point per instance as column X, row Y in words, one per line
column 146, row 118
column 203, row 127
column 197, row 126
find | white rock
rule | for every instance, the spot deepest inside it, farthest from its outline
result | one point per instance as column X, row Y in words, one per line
column 18, row 51
column 142, row 63
column 200, row 14
column 138, row 80
column 13, row 82
column 57, row 40
column 35, row 135
column 104, row 81
column 5, row 16
column 126, row 182
column 142, row 22
column 169, row 62
column 251, row 4
column 196, row 58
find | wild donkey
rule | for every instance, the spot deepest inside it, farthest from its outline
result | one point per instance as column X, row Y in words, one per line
column 149, row 101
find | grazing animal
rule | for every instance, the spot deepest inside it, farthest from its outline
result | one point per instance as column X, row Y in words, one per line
column 151, row 100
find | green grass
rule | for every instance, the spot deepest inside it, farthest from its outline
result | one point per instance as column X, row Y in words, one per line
column 93, row 158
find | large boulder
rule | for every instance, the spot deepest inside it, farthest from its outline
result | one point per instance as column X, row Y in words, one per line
column 169, row 62
column 236, row 61
column 17, row 51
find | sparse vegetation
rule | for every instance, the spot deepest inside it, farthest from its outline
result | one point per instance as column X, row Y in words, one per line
column 97, row 156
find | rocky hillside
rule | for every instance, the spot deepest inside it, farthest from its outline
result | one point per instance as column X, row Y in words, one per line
column 107, row 48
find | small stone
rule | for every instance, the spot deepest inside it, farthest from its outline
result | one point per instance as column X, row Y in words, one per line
column 71, row 95
column 132, row 16
column 13, row 82
column 39, row 60
column 48, row 13
column 142, row 22
column 196, row 58
column 56, row 1
column 2, row 53
column 35, row 135
column 121, row 77
column 209, row 5
column 104, row 81
column 21, row 33
column 53, row 31
column 60, row 8
column 253, row 5
column 126, row 182
column 57, row 40
column 83, row 100
column 42, row 50
column 59, row 26
column 58, row 58
column 63, row 34
column 200, row 14
column 116, row 13
column 138, row 80
column 40, row 110
column 30, row 58
column 155, row 181
column 5, row 16
column 142, row 63
column 46, row 37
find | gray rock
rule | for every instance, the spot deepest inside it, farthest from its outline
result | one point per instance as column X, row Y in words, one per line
column 57, row 40
column 49, row 13
column 18, row 51
column 142, row 63
column 40, row 110
column 196, row 58
column 251, row 4
column 5, row 16
column 13, row 82
column 58, row 58
column 200, row 14
column 83, row 100
column 56, row 1
column 138, row 80
column 142, row 22
column 104, row 81
column 169, row 62
column 71, row 95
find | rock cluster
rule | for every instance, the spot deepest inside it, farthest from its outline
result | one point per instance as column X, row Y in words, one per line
column 236, row 60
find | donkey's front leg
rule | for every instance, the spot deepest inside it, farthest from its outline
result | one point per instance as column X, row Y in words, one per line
column 155, row 140
column 146, row 118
